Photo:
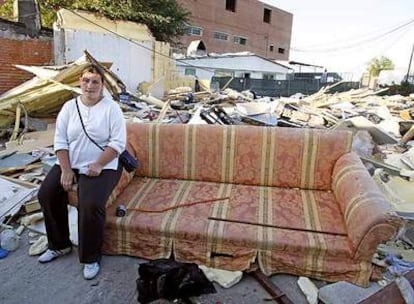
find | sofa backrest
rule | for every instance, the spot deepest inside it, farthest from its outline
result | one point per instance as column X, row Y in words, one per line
column 250, row 155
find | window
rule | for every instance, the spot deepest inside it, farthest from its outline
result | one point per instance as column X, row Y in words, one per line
column 271, row 47
column 267, row 15
column 220, row 36
column 281, row 50
column 240, row 40
column 190, row 71
column 231, row 5
column 268, row 76
column 194, row 31
column 223, row 73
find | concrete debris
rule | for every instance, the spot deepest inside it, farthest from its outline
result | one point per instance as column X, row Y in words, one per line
column 383, row 128
column 406, row 289
column 346, row 293
column 309, row 290
column 224, row 278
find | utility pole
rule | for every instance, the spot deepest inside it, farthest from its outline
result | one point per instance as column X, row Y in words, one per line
column 409, row 65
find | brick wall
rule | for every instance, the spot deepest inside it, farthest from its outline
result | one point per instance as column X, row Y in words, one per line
column 246, row 21
column 18, row 48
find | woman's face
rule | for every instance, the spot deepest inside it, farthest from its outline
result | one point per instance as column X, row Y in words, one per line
column 91, row 85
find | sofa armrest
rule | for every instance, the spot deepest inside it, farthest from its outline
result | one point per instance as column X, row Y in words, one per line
column 368, row 216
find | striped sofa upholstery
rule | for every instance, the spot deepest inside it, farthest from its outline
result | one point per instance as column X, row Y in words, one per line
column 291, row 200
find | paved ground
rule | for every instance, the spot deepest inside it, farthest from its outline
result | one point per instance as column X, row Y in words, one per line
column 24, row 280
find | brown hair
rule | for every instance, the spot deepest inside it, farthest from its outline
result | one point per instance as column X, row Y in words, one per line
column 94, row 69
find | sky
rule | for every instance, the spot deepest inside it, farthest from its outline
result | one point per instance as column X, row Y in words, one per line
column 344, row 36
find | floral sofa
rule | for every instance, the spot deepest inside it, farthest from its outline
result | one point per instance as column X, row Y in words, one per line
column 290, row 200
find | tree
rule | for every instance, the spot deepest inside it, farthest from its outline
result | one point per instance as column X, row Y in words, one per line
column 6, row 10
column 165, row 18
column 376, row 65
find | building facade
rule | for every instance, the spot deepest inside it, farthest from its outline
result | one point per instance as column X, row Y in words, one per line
column 229, row 26
column 236, row 65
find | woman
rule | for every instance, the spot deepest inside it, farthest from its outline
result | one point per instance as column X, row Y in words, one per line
column 97, row 172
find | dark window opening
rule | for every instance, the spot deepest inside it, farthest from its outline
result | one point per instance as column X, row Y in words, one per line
column 267, row 15
column 221, row 36
column 281, row 50
column 271, row 48
column 194, row 31
column 240, row 40
column 231, row 5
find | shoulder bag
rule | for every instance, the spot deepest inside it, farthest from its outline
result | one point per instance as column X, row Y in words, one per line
column 127, row 160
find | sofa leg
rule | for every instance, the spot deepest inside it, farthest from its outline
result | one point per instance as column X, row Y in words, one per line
column 277, row 295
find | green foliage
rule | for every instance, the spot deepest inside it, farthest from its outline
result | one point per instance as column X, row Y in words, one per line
column 165, row 18
column 376, row 65
column 6, row 10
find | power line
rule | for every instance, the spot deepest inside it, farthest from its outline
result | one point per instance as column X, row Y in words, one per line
column 357, row 43
column 138, row 44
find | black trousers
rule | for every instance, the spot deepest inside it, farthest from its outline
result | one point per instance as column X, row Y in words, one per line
column 93, row 193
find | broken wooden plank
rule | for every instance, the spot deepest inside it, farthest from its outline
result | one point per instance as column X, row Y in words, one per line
column 32, row 206
column 379, row 164
column 277, row 294
column 32, row 141
column 408, row 136
column 17, row 162
column 152, row 100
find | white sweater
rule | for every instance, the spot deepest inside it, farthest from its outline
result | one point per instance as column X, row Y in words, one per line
column 103, row 121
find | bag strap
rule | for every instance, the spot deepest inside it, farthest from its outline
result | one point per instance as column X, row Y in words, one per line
column 83, row 127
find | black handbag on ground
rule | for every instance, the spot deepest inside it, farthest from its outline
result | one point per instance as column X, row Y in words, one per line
column 171, row 280
column 127, row 160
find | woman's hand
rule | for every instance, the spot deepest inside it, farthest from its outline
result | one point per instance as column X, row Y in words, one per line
column 94, row 169
column 66, row 179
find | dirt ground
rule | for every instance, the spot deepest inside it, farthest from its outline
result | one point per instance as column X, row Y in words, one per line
column 24, row 280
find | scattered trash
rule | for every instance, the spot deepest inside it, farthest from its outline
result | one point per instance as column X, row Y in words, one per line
column 9, row 240
column 383, row 128
column 3, row 253
column 397, row 267
column 39, row 246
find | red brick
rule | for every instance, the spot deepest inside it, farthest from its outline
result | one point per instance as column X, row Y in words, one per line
column 25, row 52
column 246, row 21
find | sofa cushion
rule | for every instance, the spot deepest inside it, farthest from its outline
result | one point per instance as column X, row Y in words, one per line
column 192, row 236
column 281, row 157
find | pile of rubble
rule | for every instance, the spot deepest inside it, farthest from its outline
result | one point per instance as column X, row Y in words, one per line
column 383, row 129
